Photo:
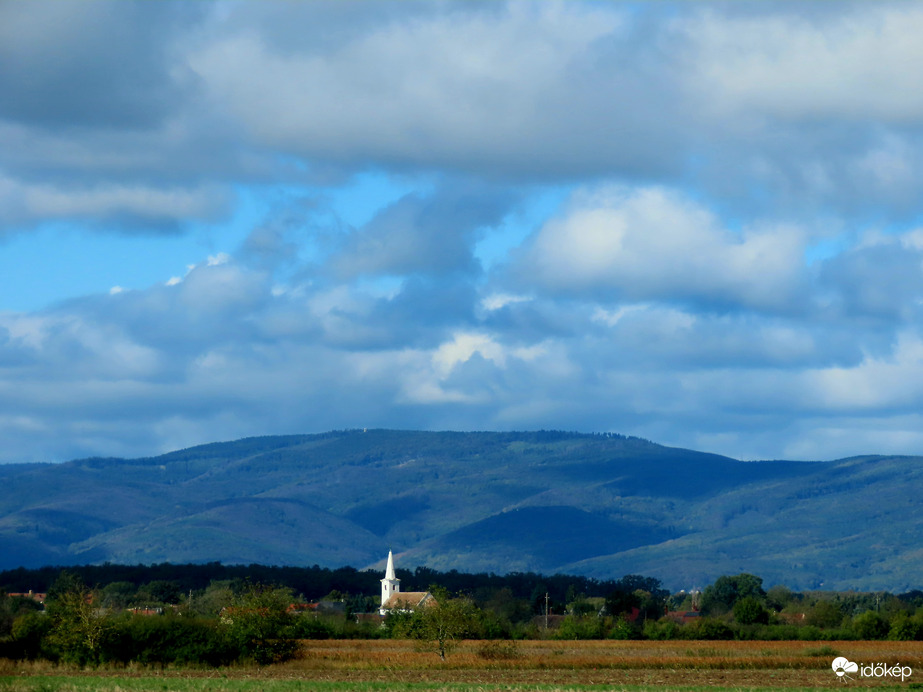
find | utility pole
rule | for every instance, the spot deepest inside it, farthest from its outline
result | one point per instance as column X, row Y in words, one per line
column 546, row 610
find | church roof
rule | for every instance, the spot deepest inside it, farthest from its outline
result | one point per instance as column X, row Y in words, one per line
column 408, row 600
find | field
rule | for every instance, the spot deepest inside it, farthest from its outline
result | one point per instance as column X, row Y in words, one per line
column 395, row 665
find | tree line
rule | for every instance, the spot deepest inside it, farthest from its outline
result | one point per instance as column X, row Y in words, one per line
column 242, row 619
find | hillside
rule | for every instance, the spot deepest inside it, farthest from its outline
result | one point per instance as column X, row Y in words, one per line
column 597, row 505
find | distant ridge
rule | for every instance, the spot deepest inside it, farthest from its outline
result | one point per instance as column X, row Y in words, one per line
column 599, row 505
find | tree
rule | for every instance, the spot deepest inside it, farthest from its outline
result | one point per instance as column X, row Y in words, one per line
column 12, row 607
column 619, row 602
column 906, row 628
column 779, row 596
column 749, row 611
column 117, row 595
column 870, row 625
column 635, row 591
column 259, row 624
column 28, row 633
column 158, row 592
column 76, row 623
column 825, row 613
column 439, row 626
column 721, row 596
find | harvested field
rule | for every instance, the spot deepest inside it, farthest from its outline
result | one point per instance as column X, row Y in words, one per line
column 532, row 665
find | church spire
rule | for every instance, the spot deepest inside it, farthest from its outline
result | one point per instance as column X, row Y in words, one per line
column 389, row 570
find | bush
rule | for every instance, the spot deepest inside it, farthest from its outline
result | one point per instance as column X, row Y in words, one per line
column 824, row 614
column 905, row 628
column 308, row 627
column 662, row 629
column 749, row 611
column 581, row 628
column 162, row 640
column 710, row 628
column 870, row 625
column 26, row 640
column 622, row 629
column 259, row 625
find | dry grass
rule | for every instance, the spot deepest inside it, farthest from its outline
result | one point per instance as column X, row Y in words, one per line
column 546, row 665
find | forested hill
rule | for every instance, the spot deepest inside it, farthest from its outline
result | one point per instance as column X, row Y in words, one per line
column 597, row 505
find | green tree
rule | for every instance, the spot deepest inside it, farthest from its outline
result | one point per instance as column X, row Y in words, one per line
column 28, row 634
column 159, row 592
column 439, row 626
column 12, row 607
column 117, row 595
column 870, row 625
column 581, row 627
column 779, row 596
column 259, row 624
column 824, row 613
column 619, row 602
column 209, row 603
column 906, row 628
column 77, row 623
column 721, row 596
column 749, row 611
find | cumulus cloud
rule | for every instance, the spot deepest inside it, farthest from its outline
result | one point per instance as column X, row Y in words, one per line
column 472, row 88
column 651, row 243
column 789, row 64
column 430, row 234
column 109, row 204
column 96, row 64
column 736, row 266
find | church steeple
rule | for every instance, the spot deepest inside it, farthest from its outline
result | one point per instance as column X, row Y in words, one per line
column 389, row 570
column 390, row 585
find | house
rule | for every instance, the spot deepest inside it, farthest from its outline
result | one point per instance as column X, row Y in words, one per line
column 33, row 595
column 393, row 600
column 683, row 617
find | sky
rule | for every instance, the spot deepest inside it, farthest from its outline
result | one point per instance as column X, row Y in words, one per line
column 696, row 223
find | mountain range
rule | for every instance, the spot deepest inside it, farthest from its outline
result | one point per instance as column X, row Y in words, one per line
column 553, row 502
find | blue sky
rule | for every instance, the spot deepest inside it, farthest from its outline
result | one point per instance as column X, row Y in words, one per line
column 697, row 223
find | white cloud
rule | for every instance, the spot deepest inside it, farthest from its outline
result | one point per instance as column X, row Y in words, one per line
column 641, row 244
column 857, row 64
column 497, row 301
column 475, row 86
column 877, row 385
column 645, row 307
column 29, row 203
column 462, row 347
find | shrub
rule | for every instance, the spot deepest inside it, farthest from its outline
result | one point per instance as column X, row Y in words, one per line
column 662, row 629
column 26, row 640
column 870, row 625
column 905, row 628
column 824, row 614
column 581, row 628
column 710, row 628
column 622, row 629
column 749, row 611
column 308, row 627
column 162, row 640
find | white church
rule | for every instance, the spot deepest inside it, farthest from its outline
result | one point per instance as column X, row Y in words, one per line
column 393, row 599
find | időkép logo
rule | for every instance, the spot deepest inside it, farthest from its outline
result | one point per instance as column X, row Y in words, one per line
column 843, row 667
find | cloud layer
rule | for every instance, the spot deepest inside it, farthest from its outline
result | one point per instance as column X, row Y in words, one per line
column 737, row 265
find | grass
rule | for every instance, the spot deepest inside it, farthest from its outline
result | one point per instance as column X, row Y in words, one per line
column 533, row 666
